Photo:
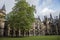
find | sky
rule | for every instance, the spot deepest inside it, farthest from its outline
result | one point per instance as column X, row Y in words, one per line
column 43, row 7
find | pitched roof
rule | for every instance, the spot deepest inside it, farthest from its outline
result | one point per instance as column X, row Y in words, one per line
column 3, row 7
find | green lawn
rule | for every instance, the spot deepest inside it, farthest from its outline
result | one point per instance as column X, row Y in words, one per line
column 33, row 38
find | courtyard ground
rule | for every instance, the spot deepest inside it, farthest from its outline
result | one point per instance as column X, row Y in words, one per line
column 32, row 38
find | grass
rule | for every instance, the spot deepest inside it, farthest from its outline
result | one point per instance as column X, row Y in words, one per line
column 33, row 38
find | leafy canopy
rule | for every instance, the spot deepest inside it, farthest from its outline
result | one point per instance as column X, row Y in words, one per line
column 22, row 15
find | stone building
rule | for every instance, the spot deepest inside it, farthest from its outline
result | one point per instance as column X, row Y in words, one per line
column 48, row 26
column 38, row 28
column 2, row 20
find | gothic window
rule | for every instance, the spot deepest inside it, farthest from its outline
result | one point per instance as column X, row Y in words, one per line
column 40, row 27
column 31, row 32
column 36, row 32
column 36, row 26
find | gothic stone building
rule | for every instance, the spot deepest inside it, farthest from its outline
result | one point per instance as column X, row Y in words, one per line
column 2, row 20
column 48, row 26
column 37, row 27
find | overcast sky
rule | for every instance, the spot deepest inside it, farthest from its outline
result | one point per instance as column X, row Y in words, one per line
column 43, row 7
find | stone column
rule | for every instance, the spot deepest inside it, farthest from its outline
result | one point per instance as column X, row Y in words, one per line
column 1, row 31
column 34, row 32
column 1, row 28
column 14, row 32
column 9, row 31
column 19, row 33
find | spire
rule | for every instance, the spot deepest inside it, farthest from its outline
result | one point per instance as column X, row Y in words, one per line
column 3, row 8
column 50, row 15
column 45, row 18
column 51, row 18
column 59, row 15
column 39, row 18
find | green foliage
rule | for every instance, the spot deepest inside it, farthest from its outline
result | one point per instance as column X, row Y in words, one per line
column 22, row 15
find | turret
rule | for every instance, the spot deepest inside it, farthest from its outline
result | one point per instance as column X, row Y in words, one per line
column 2, row 20
column 39, row 18
column 51, row 16
column 3, row 11
column 45, row 18
column 59, row 15
column 3, row 8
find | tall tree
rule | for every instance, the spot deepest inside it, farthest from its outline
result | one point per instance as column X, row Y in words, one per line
column 22, row 16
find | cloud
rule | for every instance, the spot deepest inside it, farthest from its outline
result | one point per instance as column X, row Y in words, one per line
column 41, row 9
column 42, row 6
column 1, row 2
column 47, row 11
column 34, row 2
column 46, row 3
column 9, row 5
